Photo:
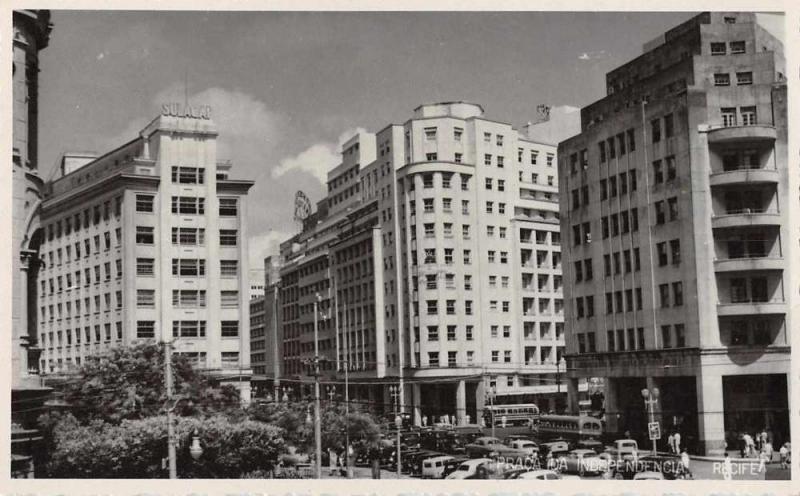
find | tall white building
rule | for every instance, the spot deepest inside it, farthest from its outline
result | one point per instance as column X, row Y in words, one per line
column 148, row 242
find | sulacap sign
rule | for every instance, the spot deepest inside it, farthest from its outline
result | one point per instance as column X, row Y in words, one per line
column 188, row 111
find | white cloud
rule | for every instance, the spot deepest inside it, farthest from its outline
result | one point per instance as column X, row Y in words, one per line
column 317, row 159
column 264, row 245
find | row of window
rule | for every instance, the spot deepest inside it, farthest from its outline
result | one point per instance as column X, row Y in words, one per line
column 432, row 307
column 629, row 259
column 721, row 48
column 59, row 310
column 623, row 301
column 189, row 267
column 187, row 298
column 729, row 116
column 724, row 78
column 188, row 205
column 430, row 256
column 145, row 235
column 65, row 254
column 621, row 223
column 91, row 216
column 69, row 282
column 614, row 146
column 67, row 337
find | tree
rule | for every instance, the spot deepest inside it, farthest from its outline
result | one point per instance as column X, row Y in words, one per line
column 136, row 448
column 128, row 383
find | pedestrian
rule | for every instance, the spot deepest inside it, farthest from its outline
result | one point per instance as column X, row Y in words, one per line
column 727, row 468
column 769, row 450
column 685, row 463
column 503, row 421
column 424, row 421
column 333, row 462
column 748, row 445
column 764, row 438
column 671, row 442
column 762, row 461
column 677, row 442
column 742, row 445
column 784, row 453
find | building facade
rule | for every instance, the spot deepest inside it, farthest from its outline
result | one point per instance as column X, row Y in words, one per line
column 676, row 212
column 435, row 262
column 148, row 242
column 31, row 32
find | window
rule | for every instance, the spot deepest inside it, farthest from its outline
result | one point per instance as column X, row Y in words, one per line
column 666, row 336
column 501, row 208
column 145, row 298
column 488, row 183
column 737, row 47
column 680, row 336
column 458, row 158
column 448, row 256
column 189, row 236
column 655, row 126
column 503, row 257
column 431, row 156
column 507, row 356
column 661, row 248
column 602, row 148
column 230, row 328
column 677, row 293
column 465, row 207
column 188, row 205
column 748, row 116
column 428, row 205
column 228, row 237
column 433, row 359
column 144, row 203
column 501, row 185
column 663, row 291
column 188, row 267
column 487, row 159
column 675, row 251
column 728, row 116
column 468, row 307
column 673, row 208
column 672, row 171
column 660, row 214
column 144, row 267
column 669, row 126
column 228, row 207
column 495, row 356
column 144, row 329
column 106, row 240
column 229, row 268
column 464, row 183
column 430, row 134
column 658, row 172
column 187, row 175
column 188, row 328
column 229, row 299
column 144, row 236
column 489, row 207
column 504, row 281
column 467, row 282
column 491, row 256
column 744, row 78
column 603, row 189
column 432, row 307
column 188, row 298
column 722, row 79
column 718, row 48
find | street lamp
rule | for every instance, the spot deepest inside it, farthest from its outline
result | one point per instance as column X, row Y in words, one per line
column 650, row 400
column 195, row 449
column 398, row 423
column 490, row 395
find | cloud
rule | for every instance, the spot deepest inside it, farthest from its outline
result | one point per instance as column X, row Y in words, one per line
column 264, row 245
column 317, row 159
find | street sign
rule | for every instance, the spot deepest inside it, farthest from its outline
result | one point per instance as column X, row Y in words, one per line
column 655, row 430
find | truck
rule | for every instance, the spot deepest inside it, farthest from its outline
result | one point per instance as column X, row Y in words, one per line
column 624, row 450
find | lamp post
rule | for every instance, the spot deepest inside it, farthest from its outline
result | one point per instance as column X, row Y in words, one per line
column 195, row 449
column 491, row 392
column 398, row 423
column 650, row 400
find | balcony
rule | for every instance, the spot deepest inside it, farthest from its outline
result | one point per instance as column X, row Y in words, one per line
column 744, row 176
column 750, row 263
column 758, row 132
column 753, row 307
column 746, row 217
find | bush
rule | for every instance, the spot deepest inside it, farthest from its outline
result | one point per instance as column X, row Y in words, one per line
column 136, row 448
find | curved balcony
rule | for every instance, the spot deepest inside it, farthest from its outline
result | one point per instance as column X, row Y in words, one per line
column 758, row 132
column 744, row 176
column 745, row 218
column 751, row 308
column 741, row 264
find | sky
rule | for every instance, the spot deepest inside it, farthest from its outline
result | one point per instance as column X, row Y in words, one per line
column 288, row 87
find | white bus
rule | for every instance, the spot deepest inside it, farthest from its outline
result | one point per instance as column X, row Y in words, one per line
column 523, row 414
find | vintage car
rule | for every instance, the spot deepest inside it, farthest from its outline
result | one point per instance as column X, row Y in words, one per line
column 487, row 446
column 469, row 469
column 582, row 461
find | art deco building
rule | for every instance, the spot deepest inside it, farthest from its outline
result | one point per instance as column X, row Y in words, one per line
column 435, row 261
column 148, row 242
column 676, row 213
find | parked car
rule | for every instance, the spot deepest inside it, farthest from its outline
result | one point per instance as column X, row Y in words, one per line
column 554, row 448
column 624, row 449
column 414, row 462
column 581, row 461
column 487, row 446
column 433, row 468
column 649, row 475
column 592, row 444
column 451, row 465
column 540, row 475
column 526, row 445
column 469, row 468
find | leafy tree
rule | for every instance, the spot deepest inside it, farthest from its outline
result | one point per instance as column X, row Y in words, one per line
column 136, row 448
column 128, row 383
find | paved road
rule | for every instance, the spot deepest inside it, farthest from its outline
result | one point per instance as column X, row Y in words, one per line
column 706, row 470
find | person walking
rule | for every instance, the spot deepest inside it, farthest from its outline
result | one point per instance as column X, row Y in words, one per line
column 727, row 468
column 685, row 464
column 748, row 445
column 784, row 453
column 333, row 462
column 762, row 461
column 677, row 442
column 671, row 442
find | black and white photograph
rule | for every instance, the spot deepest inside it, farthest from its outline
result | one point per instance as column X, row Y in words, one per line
column 372, row 244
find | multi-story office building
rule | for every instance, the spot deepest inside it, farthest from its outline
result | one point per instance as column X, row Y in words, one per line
column 675, row 210
column 436, row 262
column 148, row 242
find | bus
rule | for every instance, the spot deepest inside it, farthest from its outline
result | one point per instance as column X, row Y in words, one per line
column 515, row 415
column 569, row 426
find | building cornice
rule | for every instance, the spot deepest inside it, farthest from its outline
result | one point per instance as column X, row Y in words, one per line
column 79, row 195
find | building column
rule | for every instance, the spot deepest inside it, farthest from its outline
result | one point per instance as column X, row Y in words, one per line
column 710, row 417
column 461, row 402
column 572, row 396
column 552, row 404
column 416, row 400
column 611, row 405
column 480, row 401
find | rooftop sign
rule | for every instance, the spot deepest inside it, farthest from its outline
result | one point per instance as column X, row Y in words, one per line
column 187, row 111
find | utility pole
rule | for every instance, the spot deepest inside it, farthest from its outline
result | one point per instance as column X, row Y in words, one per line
column 173, row 466
column 317, row 420
column 347, row 418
